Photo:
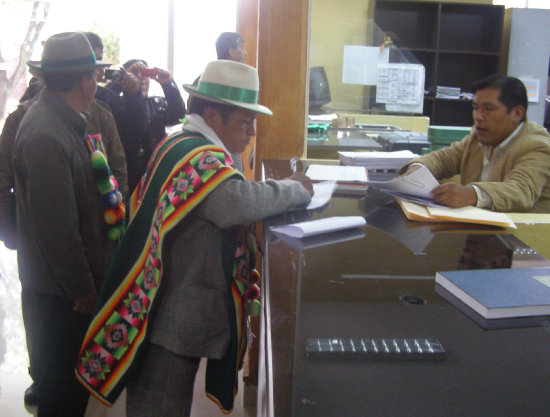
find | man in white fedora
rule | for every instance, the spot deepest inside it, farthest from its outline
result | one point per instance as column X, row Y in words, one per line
column 181, row 284
column 63, row 251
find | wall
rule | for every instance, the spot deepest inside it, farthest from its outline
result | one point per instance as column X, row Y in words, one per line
column 528, row 52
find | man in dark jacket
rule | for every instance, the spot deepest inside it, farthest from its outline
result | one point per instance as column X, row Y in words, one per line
column 143, row 120
column 63, row 250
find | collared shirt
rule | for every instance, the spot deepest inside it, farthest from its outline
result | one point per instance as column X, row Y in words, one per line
column 490, row 156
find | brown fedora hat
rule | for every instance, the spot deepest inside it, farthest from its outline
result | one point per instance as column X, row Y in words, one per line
column 67, row 52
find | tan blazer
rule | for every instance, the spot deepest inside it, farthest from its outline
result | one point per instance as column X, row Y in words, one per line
column 519, row 182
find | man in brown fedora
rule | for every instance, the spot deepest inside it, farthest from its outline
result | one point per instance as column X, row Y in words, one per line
column 63, row 250
column 188, row 259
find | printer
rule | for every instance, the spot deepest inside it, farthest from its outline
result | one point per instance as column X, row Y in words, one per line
column 404, row 140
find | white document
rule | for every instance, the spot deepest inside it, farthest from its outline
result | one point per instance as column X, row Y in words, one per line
column 322, row 117
column 316, row 227
column 400, row 84
column 322, row 193
column 339, row 173
column 418, row 183
column 322, row 239
column 361, row 63
column 377, row 160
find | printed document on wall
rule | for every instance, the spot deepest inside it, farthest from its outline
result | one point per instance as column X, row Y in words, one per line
column 401, row 87
column 361, row 63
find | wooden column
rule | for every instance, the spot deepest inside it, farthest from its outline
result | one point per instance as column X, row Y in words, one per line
column 282, row 67
column 275, row 35
column 247, row 27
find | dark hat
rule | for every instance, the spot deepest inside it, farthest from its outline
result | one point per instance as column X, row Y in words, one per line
column 67, row 52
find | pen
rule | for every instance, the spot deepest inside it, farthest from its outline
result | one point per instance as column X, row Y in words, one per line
column 293, row 165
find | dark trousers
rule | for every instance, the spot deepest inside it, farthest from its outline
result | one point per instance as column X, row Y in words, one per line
column 54, row 335
column 163, row 385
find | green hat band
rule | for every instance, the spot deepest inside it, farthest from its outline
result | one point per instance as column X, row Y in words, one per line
column 228, row 93
column 83, row 62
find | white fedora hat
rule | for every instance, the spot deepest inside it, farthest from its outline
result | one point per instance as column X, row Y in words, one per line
column 229, row 82
column 66, row 52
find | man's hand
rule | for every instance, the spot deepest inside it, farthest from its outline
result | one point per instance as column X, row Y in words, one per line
column 163, row 76
column 304, row 180
column 129, row 83
column 454, row 195
column 409, row 170
column 86, row 303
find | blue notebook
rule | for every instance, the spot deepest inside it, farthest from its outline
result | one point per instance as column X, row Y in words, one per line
column 500, row 293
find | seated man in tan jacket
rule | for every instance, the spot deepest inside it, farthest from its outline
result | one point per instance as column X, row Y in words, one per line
column 504, row 163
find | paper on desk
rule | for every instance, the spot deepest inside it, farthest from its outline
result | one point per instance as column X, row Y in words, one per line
column 418, row 183
column 322, row 193
column 322, row 117
column 316, row 227
column 341, row 173
column 324, row 239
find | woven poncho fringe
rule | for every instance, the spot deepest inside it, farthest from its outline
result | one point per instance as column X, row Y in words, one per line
column 181, row 173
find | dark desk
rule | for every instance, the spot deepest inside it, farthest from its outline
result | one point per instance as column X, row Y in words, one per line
column 370, row 287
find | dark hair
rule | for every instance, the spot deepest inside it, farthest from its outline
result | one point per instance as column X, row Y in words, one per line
column 131, row 62
column 34, row 87
column 65, row 81
column 198, row 104
column 512, row 90
column 94, row 40
column 227, row 41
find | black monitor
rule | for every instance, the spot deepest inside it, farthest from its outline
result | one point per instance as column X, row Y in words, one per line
column 319, row 91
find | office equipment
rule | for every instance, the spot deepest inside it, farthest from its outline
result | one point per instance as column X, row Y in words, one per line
column 500, row 293
column 319, row 90
column 368, row 348
column 456, row 43
column 442, row 136
column 395, row 141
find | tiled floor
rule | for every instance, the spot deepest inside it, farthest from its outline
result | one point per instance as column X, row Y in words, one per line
column 14, row 378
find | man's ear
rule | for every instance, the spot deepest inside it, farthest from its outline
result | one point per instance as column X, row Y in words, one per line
column 518, row 113
column 210, row 116
column 231, row 54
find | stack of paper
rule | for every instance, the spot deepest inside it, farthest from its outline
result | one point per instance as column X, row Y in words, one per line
column 447, row 92
column 351, row 179
column 377, row 160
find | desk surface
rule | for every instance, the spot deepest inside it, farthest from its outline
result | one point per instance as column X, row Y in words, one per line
column 362, row 288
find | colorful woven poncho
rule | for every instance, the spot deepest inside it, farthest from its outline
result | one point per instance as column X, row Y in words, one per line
column 181, row 173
